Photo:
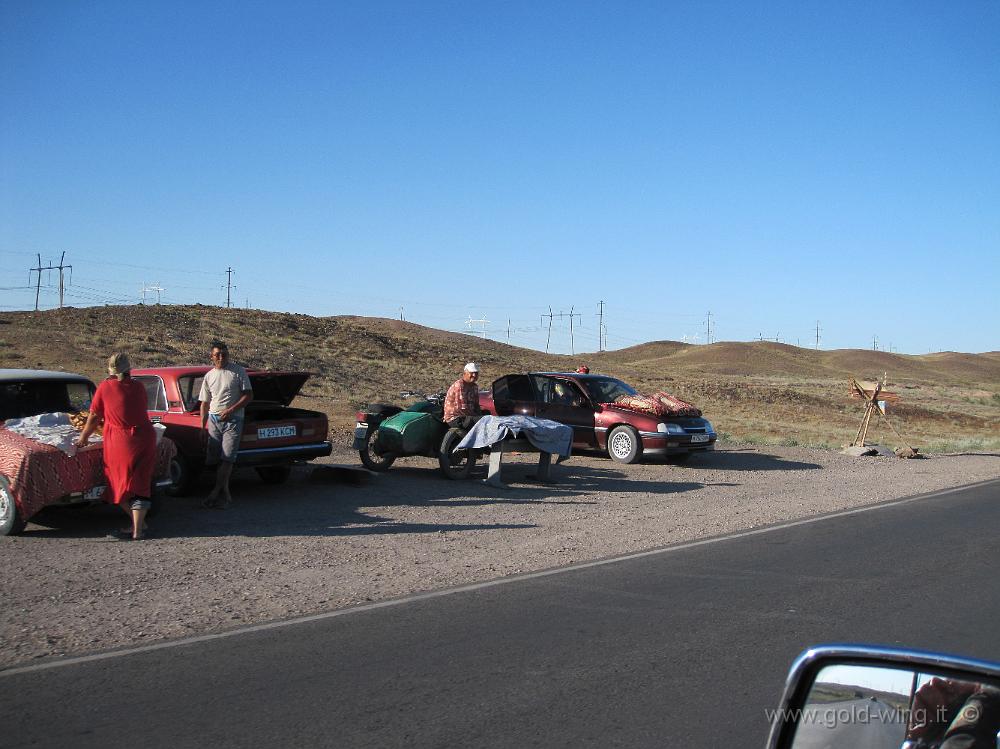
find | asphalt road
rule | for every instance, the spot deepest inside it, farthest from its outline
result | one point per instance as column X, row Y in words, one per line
column 682, row 648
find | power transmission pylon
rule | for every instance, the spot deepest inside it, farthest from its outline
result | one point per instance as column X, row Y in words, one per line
column 50, row 266
column 600, row 325
column 229, row 286
column 151, row 289
column 549, row 336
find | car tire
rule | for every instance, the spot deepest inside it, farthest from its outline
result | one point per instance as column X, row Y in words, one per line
column 624, row 445
column 11, row 522
column 183, row 476
column 274, row 474
column 455, row 465
column 372, row 460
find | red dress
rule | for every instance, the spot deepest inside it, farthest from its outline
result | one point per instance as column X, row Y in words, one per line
column 129, row 439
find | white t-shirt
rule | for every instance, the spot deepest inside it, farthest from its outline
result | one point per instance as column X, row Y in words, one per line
column 221, row 388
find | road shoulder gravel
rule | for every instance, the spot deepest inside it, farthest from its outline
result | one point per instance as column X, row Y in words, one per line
column 333, row 538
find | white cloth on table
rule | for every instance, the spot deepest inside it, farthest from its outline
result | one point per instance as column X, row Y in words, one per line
column 56, row 430
column 546, row 435
column 49, row 429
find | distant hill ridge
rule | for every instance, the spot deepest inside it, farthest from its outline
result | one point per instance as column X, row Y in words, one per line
column 349, row 347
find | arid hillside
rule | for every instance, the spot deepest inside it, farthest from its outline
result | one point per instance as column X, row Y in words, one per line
column 756, row 392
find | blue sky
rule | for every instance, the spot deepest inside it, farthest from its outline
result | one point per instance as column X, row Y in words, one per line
column 775, row 164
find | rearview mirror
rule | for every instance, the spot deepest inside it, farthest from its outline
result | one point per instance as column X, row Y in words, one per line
column 848, row 697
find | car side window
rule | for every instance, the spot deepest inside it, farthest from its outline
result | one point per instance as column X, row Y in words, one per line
column 156, row 396
column 542, row 388
column 12, row 400
column 517, row 388
column 80, row 394
column 190, row 387
column 559, row 392
column 33, row 397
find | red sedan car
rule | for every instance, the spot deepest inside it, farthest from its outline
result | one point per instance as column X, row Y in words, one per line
column 586, row 402
column 275, row 435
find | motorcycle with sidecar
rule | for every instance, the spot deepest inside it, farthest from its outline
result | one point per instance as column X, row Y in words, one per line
column 383, row 433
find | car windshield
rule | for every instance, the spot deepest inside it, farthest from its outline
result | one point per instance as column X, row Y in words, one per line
column 33, row 397
column 606, row 389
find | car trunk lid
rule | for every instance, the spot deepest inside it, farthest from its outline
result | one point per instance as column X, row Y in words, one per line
column 277, row 387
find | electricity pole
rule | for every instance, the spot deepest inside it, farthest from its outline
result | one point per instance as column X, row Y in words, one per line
column 708, row 327
column 572, row 345
column 50, row 266
column 549, row 336
column 817, row 335
column 600, row 325
column 151, row 289
column 229, row 286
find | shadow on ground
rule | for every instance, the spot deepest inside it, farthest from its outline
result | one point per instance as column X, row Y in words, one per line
column 353, row 502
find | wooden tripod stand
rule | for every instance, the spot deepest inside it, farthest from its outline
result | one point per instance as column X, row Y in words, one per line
column 872, row 408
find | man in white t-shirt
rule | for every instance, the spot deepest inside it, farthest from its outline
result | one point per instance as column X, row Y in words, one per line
column 225, row 390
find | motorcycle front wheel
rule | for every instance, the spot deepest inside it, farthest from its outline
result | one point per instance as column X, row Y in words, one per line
column 371, row 458
column 455, row 464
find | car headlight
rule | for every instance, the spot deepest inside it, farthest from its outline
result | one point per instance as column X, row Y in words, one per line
column 670, row 428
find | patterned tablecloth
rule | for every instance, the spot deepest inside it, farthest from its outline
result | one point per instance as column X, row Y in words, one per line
column 41, row 475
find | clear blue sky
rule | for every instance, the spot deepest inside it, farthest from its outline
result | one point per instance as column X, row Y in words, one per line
column 773, row 163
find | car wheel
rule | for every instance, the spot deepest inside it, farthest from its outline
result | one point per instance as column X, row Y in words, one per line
column 371, row 458
column 274, row 474
column 10, row 519
column 455, row 464
column 183, row 476
column 624, row 445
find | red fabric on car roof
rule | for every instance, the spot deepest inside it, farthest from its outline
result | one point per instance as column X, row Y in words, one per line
column 41, row 474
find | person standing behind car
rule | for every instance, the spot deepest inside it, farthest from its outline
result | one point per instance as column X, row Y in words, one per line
column 461, row 403
column 129, row 442
column 225, row 390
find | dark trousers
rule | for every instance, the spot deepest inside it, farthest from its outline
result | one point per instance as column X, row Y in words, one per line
column 465, row 423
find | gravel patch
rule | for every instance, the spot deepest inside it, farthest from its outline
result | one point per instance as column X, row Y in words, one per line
column 321, row 542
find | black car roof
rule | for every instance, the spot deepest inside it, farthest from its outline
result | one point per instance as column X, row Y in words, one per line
column 579, row 375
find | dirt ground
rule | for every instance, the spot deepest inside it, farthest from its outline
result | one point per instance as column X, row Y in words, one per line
column 334, row 538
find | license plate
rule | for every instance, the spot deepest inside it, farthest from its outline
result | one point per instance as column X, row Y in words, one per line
column 699, row 438
column 94, row 492
column 269, row 433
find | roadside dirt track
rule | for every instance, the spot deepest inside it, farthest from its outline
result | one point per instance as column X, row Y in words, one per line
column 320, row 542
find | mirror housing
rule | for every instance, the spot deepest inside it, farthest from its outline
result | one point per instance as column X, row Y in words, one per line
column 848, row 696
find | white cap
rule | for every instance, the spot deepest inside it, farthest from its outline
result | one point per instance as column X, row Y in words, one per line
column 471, row 367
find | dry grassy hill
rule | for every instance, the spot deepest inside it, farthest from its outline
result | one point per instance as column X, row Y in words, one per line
column 758, row 392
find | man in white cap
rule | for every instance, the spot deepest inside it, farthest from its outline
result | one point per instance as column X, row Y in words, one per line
column 461, row 404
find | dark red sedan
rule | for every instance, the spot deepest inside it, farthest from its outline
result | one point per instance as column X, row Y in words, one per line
column 586, row 402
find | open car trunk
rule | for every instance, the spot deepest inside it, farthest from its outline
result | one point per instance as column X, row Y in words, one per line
column 277, row 388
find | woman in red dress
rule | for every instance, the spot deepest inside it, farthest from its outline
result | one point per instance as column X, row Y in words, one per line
column 129, row 441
